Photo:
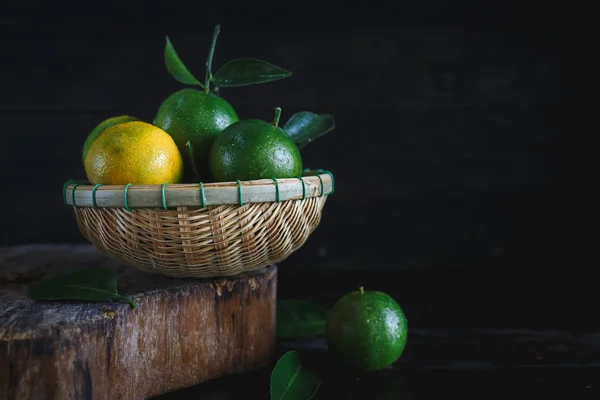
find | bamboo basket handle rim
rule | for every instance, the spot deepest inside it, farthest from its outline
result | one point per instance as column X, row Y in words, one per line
column 312, row 183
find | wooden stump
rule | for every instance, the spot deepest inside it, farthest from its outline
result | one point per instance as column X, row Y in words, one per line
column 183, row 331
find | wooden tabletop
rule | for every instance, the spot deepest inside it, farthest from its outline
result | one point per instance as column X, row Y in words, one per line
column 182, row 332
column 473, row 334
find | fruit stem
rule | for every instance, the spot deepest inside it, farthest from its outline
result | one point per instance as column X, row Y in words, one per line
column 128, row 300
column 188, row 145
column 209, row 60
column 361, row 290
column 277, row 116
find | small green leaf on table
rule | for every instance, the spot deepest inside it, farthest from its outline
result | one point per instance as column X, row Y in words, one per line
column 298, row 318
column 248, row 71
column 305, row 126
column 177, row 68
column 291, row 381
column 91, row 284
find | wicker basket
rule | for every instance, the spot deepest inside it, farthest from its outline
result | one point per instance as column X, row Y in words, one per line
column 201, row 230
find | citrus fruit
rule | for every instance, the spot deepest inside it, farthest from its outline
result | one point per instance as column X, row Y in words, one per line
column 254, row 149
column 194, row 116
column 133, row 152
column 366, row 330
column 101, row 127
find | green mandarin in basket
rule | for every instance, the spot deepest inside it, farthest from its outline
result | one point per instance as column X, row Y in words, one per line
column 254, row 149
column 190, row 115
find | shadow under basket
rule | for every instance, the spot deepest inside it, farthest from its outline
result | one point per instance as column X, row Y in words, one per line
column 201, row 230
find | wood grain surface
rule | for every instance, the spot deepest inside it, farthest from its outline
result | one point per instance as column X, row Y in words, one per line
column 183, row 332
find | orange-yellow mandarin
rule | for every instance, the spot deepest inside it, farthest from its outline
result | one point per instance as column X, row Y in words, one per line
column 134, row 152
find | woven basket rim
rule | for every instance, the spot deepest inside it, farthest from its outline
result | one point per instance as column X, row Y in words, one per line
column 313, row 183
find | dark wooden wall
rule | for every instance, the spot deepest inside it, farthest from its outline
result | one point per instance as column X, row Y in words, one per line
column 453, row 118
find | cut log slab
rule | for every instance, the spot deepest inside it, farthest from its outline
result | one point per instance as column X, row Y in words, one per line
column 182, row 333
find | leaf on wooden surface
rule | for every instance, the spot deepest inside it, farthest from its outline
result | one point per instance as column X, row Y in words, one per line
column 298, row 318
column 248, row 71
column 291, row 381
column 91, row 284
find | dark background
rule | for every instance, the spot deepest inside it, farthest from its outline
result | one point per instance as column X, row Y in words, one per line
column 455, row 120
column 456, row 152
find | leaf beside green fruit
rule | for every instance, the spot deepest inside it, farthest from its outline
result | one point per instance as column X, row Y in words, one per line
column 91, row 284
column 291, row 381
column 305, row 126
column 176, row 67
column 248, row 71
column 299, row 318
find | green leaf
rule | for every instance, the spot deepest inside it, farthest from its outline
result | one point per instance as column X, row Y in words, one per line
column 291, row 381
column 177, row 68
column 298, row 318
column 91, row 284
column 305, row 126
column 248, row 71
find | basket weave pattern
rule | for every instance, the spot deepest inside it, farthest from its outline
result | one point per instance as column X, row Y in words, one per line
column 220, row 240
